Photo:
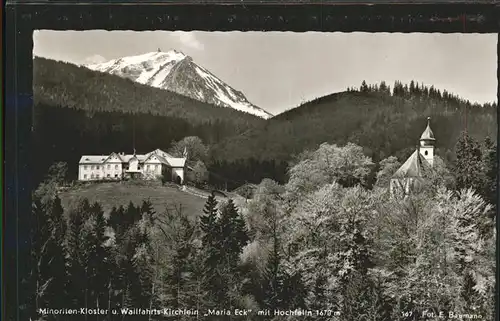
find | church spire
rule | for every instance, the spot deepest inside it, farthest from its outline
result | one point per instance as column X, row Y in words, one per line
column 427, row 136
column 427, row 142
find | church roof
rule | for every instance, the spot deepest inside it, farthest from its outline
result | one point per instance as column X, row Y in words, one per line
column 176, row 162
column 427, row 134
column 168, row 159
column 415, row 166
column 160, row 152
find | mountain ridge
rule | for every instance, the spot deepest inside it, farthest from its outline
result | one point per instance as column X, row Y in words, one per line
column 177, row 72
column 66, row 84
column 384, row 124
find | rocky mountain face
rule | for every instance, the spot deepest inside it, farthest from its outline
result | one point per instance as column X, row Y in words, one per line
column 174, row 71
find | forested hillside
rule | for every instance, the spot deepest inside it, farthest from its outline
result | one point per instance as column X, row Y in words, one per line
column 67, row 85
column 383, row 123
column 79, row 111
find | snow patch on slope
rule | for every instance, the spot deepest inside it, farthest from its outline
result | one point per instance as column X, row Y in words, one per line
column 155, row 68
column 233, row 101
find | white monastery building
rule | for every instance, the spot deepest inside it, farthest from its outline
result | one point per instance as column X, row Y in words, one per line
column 410, row 176
column 118, row 166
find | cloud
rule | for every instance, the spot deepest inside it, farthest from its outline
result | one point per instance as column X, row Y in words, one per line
column 94, row 59
column 188, row 39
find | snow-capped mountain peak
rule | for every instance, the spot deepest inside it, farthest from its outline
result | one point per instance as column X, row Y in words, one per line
column 177, row 72
column 141, row 68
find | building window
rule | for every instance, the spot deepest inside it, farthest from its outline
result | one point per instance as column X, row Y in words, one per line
column 156, row 166
column 109, row 166
column 426, row 152
column 108, row 175
column 85, row 167
column 92, row 176
column 92, row 167
column 97, row 167
column 97, row 176
column 116, row 166
column 116, row 175
column 85, row 176
column 147, row 166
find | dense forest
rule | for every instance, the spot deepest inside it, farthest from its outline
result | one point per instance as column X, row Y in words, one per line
column 323, row 244
column 384, row 122
column 319, row 233
column 67, row 85
column 65, row 134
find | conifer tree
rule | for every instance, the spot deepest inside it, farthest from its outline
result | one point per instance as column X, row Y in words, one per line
column 233, row 238
column 208, row 222
column 117, row 221
column 490, row 168
column 383, row 88
column 234, row 233
column 99, row 260
column 132, row 280
column 364, row 87
column 178, row 272
column 39, row 235
column 131, row 216
column 223, row 242
column 468, row 167
column 87, row 241
column 141, row 273
column 75, row 254
column 275, row 277
column 50, row 269
column 211, row 245
column 147, row 211
column 114, row 218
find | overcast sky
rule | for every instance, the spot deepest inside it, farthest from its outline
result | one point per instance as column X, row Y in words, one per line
column 278, row 70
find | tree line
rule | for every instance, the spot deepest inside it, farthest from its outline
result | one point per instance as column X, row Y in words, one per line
column 419, row 90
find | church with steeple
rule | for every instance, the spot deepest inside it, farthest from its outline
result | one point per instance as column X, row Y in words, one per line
column 412, row 174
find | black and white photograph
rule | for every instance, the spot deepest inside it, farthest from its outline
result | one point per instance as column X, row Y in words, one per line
column 196, row 175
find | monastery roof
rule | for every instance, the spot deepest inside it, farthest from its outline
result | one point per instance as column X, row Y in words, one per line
column 92, row 159
column 162, row 156
column 415, row 166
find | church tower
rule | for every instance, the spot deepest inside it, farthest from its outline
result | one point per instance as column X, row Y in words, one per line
column 427, row 142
